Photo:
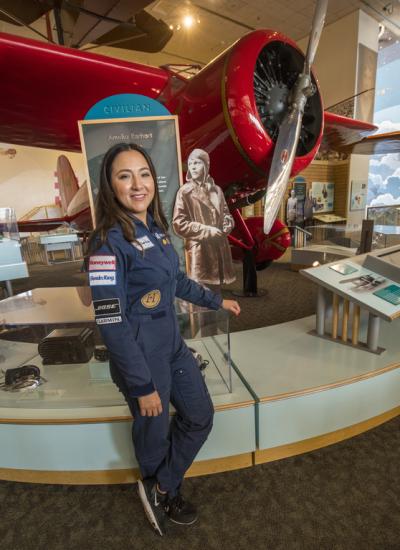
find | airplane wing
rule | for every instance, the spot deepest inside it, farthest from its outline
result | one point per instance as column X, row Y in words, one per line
column 352, row 136
column 47, row 88
column 118, row 23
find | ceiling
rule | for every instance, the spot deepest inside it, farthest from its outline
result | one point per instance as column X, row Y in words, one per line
column 224, row 21
column 218, row 23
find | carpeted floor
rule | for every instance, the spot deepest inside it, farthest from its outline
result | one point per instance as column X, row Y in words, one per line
column 343, row 497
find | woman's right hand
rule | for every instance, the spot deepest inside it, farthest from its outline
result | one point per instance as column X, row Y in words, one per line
column 150, row 405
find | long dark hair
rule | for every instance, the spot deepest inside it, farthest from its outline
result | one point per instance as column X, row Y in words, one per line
column 109, row 210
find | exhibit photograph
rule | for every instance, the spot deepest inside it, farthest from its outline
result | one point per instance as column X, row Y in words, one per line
column 199, row 274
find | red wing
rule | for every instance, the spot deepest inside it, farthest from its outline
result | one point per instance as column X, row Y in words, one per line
column 48, row 88
column 81, row 220
column 352, row 136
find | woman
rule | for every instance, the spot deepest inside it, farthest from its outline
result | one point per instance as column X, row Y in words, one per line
column 134, row 277
column 202, row 218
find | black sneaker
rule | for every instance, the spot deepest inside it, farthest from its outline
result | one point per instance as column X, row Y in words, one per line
column 180, row 511
column 153, row 503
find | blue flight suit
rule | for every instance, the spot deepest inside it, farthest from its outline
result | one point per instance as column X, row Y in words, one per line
column 133, row 289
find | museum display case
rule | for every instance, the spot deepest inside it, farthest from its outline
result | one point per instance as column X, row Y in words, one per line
column 54, row 329
column 12, row 265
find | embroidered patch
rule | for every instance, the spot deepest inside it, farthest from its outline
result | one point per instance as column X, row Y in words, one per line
column 102, row 278
column 145, row 242
column 109, row 320
column 110, row 306
column 151, row 299
column 159, row 235
column 101, row 263
column 165, row 241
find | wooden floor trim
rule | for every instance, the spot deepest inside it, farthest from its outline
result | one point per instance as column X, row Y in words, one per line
column 110, row 477
column 307, row 445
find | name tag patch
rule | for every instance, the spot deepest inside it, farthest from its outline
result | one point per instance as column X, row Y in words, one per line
column 109, row 306
column 159, row 235
column 151, row 299
column 109, row 320
column 102, row 263
column 102, row 278
column 145, row 243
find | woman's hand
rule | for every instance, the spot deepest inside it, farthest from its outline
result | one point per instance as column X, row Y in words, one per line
column 231, row 305
column 150, row 405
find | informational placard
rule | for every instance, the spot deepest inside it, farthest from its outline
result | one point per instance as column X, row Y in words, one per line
column 322, row 196
column 358, row 198
column 158, row 135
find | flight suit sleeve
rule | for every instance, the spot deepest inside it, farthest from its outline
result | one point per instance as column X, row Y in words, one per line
column 189, row 290
column 108, row 270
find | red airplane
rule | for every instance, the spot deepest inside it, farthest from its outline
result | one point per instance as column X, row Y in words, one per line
column 250, row 109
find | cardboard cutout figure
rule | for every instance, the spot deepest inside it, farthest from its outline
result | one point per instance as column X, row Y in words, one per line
column 202, row 218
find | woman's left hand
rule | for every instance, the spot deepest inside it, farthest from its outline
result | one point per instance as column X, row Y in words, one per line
column 231, row 305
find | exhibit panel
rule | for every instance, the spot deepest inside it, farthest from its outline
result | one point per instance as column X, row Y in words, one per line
column 368, row 283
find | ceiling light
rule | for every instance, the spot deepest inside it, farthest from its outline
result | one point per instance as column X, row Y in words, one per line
column 171, row 27
column 188, row 21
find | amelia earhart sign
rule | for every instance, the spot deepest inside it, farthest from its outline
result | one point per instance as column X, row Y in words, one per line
column 158, row 135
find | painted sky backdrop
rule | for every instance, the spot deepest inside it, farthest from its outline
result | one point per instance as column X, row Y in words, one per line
column 384, row 170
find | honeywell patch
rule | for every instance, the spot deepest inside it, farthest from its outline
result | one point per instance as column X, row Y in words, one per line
column 102, row 278
column 101, row 263
column 110, row 306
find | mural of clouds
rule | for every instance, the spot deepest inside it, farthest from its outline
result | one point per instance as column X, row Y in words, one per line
column 384, row 170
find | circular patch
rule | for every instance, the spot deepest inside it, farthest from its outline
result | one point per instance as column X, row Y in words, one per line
column 151, row 299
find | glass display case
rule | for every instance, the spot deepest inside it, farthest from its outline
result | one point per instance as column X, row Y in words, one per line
column 12, row 265
column 31, row 316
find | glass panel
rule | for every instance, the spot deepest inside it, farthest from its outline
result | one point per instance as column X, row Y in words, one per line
column 88, row 383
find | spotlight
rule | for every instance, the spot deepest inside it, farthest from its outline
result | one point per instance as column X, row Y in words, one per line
column 188, row 21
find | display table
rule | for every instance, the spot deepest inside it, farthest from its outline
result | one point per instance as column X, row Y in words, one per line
column 375, row 264
column 329, row 218
column 65, row 243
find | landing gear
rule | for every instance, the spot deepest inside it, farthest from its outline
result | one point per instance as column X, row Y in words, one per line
column 250, row 289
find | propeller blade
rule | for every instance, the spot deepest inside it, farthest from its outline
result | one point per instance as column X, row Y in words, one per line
column 281, row 166
column 316, row 30
column 290, row 129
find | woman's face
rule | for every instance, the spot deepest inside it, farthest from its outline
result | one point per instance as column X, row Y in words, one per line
column 132, row 181
column 196, row 169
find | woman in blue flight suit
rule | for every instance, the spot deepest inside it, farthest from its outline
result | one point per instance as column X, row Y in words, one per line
column 134, row 277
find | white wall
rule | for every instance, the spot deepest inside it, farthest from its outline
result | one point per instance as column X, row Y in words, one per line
column 27, row 180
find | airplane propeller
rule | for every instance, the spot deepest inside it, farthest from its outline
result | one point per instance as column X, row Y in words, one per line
column 290, row 129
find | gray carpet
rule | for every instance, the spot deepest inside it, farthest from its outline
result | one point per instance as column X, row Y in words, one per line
column 343, row 497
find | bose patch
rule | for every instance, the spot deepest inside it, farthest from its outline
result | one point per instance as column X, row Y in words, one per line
column 102, row 278
column 110, row 306
column 151, row 299
column 145, row 243
column 102, row 263
column 108, row 320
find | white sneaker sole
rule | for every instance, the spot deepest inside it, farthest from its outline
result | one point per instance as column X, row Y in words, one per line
column 180, row 523
column 148, row 509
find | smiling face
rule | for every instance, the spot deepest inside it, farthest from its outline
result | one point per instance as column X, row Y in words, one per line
column 132, row 182
column 196, row 169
